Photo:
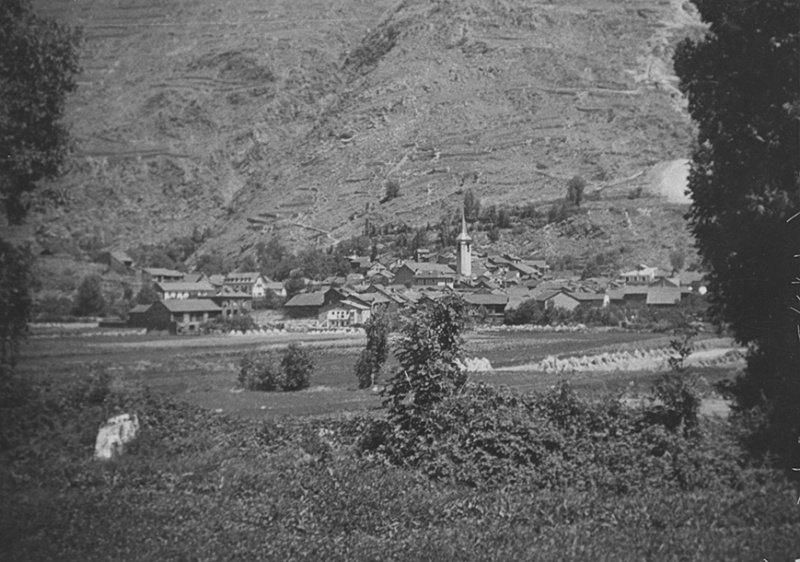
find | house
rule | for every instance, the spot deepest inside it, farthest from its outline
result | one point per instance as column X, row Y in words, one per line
column 181, row 316
column 184, row 290
column 137, row 316
column 663, row 296
column 250, row 282
column 276, row 289
column 488, row 306
column 344, row 313
column 642, row 275
column 568, row 300
column 305, row 305
column 233, row 302
column 424, row 273
column 117, row 261
column 161, row 275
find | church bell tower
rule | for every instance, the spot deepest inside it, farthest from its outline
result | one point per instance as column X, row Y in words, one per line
column 464, row 250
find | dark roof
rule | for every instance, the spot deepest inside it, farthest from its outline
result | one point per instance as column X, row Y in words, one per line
column 307, row 299
column 663, row 295
column 190, row 305
column 429, row 267
column 483, row 299
column 185, row 286
column 161, row 272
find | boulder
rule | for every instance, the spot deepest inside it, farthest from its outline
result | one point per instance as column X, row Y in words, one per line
column 114, row 435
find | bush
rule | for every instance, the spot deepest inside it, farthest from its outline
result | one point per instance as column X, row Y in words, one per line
column 297, row 367
column 258, row 371
column 238, row 322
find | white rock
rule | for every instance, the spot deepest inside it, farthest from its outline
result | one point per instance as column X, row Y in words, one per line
column 113, row 436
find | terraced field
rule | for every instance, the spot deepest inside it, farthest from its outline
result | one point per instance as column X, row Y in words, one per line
column 294, row 114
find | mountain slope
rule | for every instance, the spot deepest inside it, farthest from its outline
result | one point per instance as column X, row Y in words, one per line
column 289, row 117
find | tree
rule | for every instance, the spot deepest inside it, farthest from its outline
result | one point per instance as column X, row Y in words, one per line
column 677, row 259
column 429, row 344
column 472, row 206
column 297, row 367
column 90, row 301
column 373, row 357
column 15, row 301
column 392, row 190
column 38, row 63
column 743, row 85
column 147, row 294
column 575, row 188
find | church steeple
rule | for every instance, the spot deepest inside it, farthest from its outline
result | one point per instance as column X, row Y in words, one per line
column 464, row 250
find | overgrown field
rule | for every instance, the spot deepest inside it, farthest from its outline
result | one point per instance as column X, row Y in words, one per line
column 203, row 486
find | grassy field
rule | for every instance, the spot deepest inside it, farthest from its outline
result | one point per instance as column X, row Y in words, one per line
column 202, row 370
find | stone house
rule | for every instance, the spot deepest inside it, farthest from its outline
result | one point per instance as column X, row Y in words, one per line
column 181, row 316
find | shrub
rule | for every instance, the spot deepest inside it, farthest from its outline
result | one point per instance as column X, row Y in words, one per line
column 297, row 367
column 90, row 301
column 238, row 322
column 429, row 344
column 258, row 371
column 575, row 188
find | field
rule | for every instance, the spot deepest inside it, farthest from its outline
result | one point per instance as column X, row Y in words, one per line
column 203, row 370
column 285, row 476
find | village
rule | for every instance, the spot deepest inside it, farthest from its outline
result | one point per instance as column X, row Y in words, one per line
column 491, row 285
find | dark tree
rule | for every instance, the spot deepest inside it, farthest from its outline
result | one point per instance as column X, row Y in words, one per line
column 575, row 188
column 15, row 301
column 677, row 259
column 472, row 206
column 38, row 64
column 392, row 190
column 743, row 84
column 90, row 301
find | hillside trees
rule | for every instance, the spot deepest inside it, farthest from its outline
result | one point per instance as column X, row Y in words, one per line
column 38, row 63
column 743, row 84
column 90, row 300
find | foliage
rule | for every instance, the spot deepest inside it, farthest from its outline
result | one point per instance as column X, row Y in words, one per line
column 472, row 206
column 147, row 294
column 676, row 395
column 373, row 357
column 743, row 84
column 89, row 300
column 202, row 485
column 429, row 344
column 234, row 323
column 297, row 367
column 554, row 440
column 392, row 190
column 52, row 308
column 677, row 259
column 259, row 371
column 38, row 63
column 15, row 300
column 575, row 188
column 635, row 315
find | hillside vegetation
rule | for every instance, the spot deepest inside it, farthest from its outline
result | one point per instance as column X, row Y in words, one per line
column 257, row 118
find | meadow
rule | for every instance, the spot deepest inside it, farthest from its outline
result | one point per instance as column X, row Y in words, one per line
column 223, row 474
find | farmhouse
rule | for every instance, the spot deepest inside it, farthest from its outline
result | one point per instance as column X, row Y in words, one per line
column 233, row 302
column 184, row 290
column 425, row 274
column 161, row 275
column 250, row 282
column 180, row 316
column 343, row 313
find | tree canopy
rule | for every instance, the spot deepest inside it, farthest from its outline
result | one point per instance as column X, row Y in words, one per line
column 38, row 63
column 743, row 86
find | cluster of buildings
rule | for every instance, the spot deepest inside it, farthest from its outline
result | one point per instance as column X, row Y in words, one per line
column 490, row 284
